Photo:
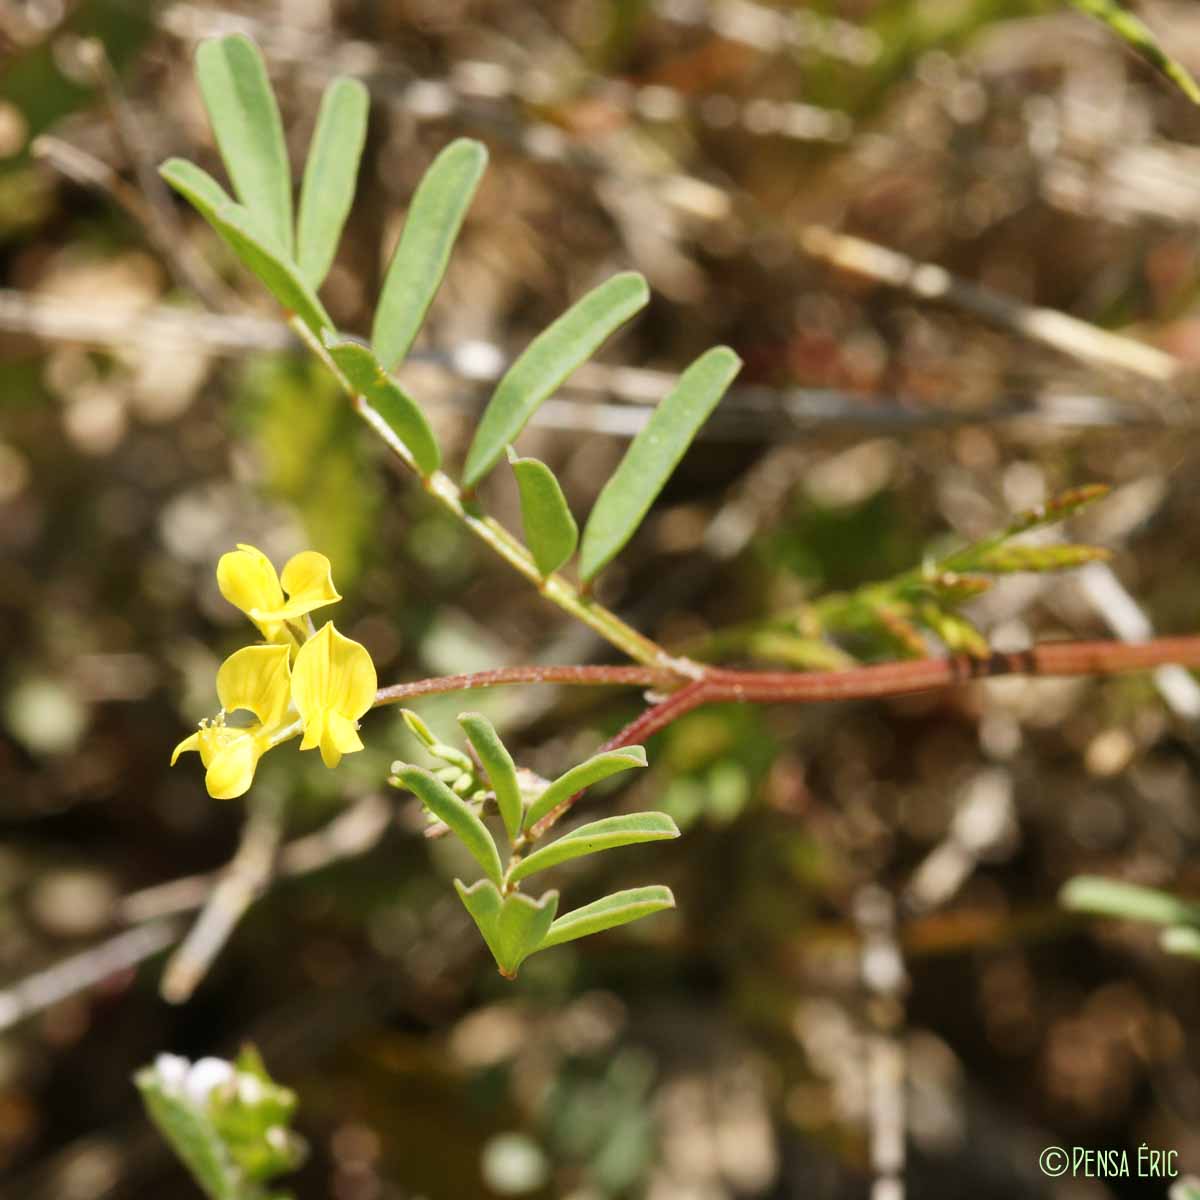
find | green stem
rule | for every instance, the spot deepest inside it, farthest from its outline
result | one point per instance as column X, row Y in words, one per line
column 555, row 588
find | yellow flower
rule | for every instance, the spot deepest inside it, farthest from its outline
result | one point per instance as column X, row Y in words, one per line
column 248, row 581
column 333, row 684
column 229, row 754
column 258, row 679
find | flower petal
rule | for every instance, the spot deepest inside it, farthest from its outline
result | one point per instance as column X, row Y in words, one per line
column 341, row 737
column 188, row 743
column 333, row 684
column 230, row 754
column 257, row 678
column 248, row 581
column 308, row 580
column 231, row 771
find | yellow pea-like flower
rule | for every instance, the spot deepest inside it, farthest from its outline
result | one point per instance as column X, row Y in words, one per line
column 249, row 582
column 333, row 684
column 230, row 756
column 258, row 679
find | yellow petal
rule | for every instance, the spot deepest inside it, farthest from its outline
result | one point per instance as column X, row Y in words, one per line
column 231, row 769
column 248, row 581
column 257, row 678
column 188, row 743
column 229, row 753
column 341, row 735
column 308, row 580
column 333, row 684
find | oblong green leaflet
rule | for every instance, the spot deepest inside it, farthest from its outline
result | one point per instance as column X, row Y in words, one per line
column 618, row 909
column 459, row 816
column 242, row 232
column 330, row 176
column 434, row 218
column 550, row 529
column 599, row 767
column 607, row 834
column 245, row 121
column 500, row 768
column 404, row 417
column 546, row 362
column 1141, row 37
column 652, row 456
column 1131, row 901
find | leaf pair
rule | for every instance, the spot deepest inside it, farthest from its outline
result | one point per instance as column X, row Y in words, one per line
column 293, row 263
column 249, row 132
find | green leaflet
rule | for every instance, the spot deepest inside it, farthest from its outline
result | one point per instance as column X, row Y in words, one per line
column 607, row 834
column 242, row 231
column 245, row 120
column 434, row 219
column 498, row 763
column 546, row 362
column 1062, row 557
column 457, row 814
column 384, row 394
column 330, row 175
column 618, row 909
column 652, row 456
column 513, row 927
column 1139, row 35
column 550, row 529
column 599, row 767
column 1112, row 898
column 193, row 1138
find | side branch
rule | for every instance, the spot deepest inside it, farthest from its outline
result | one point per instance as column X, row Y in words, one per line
column 719, row 686
column 580, row 676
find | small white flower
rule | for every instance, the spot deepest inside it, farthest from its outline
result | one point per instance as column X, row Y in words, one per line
column 172, row 1071
column 206, row 1075
column 250, row 1089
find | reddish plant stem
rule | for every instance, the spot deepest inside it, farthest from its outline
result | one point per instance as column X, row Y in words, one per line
column 890, row 679
column 857, row 683
column 587, row 676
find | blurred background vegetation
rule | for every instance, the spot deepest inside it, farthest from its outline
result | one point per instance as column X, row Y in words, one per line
column 155, row 412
